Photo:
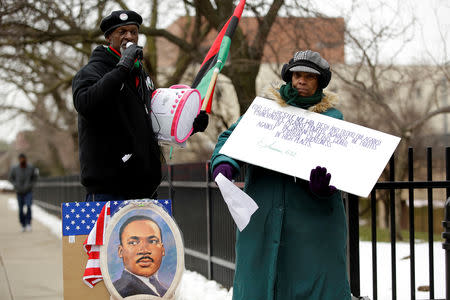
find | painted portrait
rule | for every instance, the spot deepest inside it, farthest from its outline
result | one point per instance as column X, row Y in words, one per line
column 144, row 254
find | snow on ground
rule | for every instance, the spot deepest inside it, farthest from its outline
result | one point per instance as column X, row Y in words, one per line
column 5, row 185
column 194, row 286
column 384, row 275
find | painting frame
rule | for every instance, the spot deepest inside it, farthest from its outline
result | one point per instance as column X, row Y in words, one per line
column 171, row 238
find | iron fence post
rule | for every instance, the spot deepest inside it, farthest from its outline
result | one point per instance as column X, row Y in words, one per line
column 446, row 246
column 208, row 221
column 353, row 225
column 430, row 222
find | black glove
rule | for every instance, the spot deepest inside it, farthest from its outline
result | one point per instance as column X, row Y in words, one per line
column 200, row 122
column 129, row 56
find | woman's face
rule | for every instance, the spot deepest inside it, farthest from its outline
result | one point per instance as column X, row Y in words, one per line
column 305, row 83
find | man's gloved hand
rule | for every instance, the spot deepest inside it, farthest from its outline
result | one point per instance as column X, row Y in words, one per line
column 200, row 122
column 226, row 169
column 319, row 182
column 129, row 56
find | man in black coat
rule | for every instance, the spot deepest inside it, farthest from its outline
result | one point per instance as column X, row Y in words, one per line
column 118, row 150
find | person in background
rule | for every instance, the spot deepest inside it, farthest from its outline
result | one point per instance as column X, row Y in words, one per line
column 295, row 244
column 119, row 154
column 23, row 177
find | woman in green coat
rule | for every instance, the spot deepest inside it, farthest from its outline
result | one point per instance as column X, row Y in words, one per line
column 295, row 244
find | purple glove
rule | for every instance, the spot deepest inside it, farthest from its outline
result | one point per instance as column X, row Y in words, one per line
column 226, row 169
column 319, row 182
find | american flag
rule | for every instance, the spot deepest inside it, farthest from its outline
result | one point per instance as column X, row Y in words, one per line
column 81, row 218
column 96, row 238
column 78, row 218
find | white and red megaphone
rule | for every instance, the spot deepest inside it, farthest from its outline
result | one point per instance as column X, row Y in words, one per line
column 173, row 112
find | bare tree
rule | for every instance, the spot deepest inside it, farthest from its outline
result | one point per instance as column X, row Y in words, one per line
column 400, row 100
column 44, row 43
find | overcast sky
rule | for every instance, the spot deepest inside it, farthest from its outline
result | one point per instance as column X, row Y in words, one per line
column 429, row 38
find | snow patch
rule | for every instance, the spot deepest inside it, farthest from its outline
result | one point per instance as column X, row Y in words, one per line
column 195, row 286
column 5, row 185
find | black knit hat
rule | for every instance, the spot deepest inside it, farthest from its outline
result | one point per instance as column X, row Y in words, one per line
column 307, row 61
column 119, row 18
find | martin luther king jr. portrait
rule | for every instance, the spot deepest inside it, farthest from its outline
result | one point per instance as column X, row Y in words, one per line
column 142, row 250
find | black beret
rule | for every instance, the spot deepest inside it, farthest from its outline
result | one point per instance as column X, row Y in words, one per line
column 119, row 18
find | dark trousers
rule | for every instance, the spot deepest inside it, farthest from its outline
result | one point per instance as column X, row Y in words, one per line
column 25, row 199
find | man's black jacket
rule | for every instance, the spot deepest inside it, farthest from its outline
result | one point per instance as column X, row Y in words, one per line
column 113, row 124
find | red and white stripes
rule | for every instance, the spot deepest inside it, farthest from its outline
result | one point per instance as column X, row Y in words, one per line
column 92, row 273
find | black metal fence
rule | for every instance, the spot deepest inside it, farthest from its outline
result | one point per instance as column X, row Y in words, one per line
column 392, row 186
column 209, row 231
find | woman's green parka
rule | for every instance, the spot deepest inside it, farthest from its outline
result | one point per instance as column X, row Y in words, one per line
column 295, row 244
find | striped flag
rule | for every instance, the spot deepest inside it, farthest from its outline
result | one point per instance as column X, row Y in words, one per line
column 92, row 273
column 205, row 81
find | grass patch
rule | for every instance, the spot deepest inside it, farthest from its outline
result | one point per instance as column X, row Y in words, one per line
column 384, row 235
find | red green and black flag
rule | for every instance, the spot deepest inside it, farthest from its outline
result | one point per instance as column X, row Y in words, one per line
column 216, row 57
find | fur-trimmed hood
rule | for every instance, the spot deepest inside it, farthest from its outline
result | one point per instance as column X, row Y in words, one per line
column 328, row 101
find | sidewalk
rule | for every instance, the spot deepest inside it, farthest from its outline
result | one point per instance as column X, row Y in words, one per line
column 30, row 262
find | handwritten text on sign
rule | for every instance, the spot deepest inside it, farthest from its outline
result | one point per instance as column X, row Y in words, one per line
column 291, row 140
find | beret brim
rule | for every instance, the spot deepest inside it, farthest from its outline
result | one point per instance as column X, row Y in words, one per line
column 120, row 18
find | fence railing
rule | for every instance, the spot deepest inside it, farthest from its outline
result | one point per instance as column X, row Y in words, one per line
column 209, row 231
column 392, row 187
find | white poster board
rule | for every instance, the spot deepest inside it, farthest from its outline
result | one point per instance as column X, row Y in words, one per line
column 293, row 141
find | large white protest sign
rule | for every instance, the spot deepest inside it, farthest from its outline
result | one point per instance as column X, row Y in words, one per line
column 292, row 141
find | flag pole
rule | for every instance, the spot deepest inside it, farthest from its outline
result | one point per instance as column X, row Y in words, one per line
column 209, row 95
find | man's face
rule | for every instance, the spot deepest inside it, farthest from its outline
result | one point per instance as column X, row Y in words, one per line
column 22, row 160
column 141, row 250
column 122, row 35
column 305, row 83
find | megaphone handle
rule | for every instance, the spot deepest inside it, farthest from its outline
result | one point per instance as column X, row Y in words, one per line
column 208, row 95
column 180, row 86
